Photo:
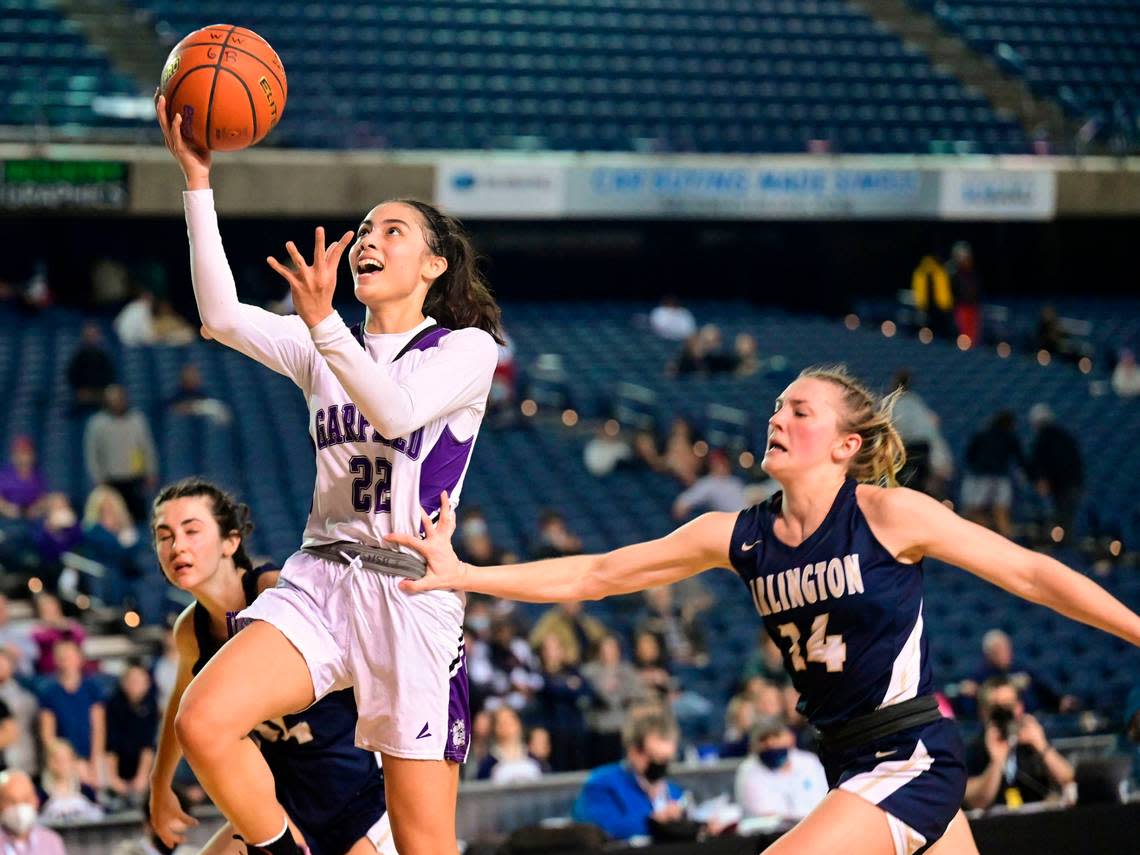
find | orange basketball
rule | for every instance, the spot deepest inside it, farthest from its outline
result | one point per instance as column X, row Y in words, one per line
column 228, row 85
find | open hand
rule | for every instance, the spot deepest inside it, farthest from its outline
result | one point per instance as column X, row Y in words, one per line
column 444, row 569
column 167, row 818
column 195, row 162
column 313, row 285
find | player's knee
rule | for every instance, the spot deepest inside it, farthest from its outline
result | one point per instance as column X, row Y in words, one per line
column 197, row 726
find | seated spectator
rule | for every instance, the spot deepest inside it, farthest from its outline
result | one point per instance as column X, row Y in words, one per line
column 507, row 760
column 111, row 538
column 680, row 460
column 554, row 538
column 577, row 631
column 621, row 798
column 90, row 370
column 23, row 490
column 560, row 706
column 134, row 325
column 987, row 488
column 777, row 779
column 691, row 360
column 653, row 667
column 170, row 328
column 917, row 425
column 190, row 398
column 515, row 676
column 118, row 450
column 480, row 744
column 1126, row 375
column 672, row 321
column 52, row 625
column 71, row 709
column 1012, row 762
column 739, row 719
column 16, row 640
column 1057, row 468
column 66, row 798
column 747, row 355
column 132, row 728
column 606, row 451
column 474, row 545
column 19, row 709
column 54, row 534
column 766, row 661
column 20, row 830
column 674, row 621
column 719, row 490
column 716, row 359
column 539, row 747
column 617, row 688
column 1034, row 691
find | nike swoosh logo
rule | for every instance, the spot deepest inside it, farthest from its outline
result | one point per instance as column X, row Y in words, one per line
column 745, row 547
column 879, row 755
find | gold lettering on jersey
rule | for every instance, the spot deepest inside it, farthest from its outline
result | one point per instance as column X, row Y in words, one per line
column 807, row 585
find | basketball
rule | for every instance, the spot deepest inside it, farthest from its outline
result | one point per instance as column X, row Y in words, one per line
column 228, row 85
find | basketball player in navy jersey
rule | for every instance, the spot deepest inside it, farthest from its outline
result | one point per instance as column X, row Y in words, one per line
column 332, row 790
column 395, row 405
column 833, row 564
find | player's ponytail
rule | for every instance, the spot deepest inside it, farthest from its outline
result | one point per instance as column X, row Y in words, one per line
column 460, row 297
column 231, row 515
column 882, row 454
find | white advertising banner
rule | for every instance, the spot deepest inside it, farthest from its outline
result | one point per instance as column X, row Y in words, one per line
column 501, row 189
column 990, row 194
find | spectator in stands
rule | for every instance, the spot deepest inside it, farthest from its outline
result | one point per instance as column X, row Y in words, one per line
column 190, row 398
column 111, row 538
column 606, row 450
column 515, row 670
column 987, row 488
column 719, row 490
column 23, row 488
column 739, row 719
column 474, row 543
column 554, row 538
column 1050, row 335
column 747, row 355
column 676, row 623
column 672, row 321
column 118, row 450
column 1126, row 375
column 132, row 725
column 507, row 760
column 170, row 328
column 480, row 744
column 64, row 794
column 1056, row 466
column 997, row 661
column 717, row 359
column 55, row 534
column 164, row 669
column 680, row 459
column 645, row 450
column 777, row 779
column 90, row 370
column 1012, row 762
column 927, row 465
column 560, row 706
column 930, row 286
column 134, row 325
column 504, row 384
column 766, row 661
column 967, row 289
column 71, row 709
column 617, row 688
column 621, row 798
column 16, row 641
column 20, row 829
column 52, row 625
column 652, row 667
column 577, row 631
column 18, row 730
column 691, row 360
column 538, row 746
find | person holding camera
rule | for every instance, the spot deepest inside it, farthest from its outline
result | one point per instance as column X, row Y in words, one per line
column 1012, row 762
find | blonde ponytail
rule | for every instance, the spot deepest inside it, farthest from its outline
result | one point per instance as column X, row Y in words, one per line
column 882, row 454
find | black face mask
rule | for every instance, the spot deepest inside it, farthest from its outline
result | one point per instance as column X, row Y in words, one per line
column 655, row 770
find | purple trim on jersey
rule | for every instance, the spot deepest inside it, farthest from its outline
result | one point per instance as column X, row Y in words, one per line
column 443, row 467
column 430, row 340
column 458, row 714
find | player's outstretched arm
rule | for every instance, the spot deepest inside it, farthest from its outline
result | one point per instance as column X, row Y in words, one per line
column 912, row 525
column 696, row 546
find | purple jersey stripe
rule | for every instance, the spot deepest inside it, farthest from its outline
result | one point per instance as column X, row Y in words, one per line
column 443, row 467
column 430, row 340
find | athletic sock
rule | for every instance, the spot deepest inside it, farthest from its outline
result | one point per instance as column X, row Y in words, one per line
column 282, row 844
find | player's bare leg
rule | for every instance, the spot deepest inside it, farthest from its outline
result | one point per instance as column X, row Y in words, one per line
column 842, row 822
column 421, row 797
column 257, row 675
column 958, row 839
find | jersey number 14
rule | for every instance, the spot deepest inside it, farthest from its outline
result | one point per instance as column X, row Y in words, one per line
column 821, row 647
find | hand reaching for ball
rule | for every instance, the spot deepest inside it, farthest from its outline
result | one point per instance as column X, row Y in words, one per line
column 195, row 162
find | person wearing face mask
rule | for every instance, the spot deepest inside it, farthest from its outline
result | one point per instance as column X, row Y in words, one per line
column 1012, row 763
column 777, row 779
column 20, row 831
column 622, row 798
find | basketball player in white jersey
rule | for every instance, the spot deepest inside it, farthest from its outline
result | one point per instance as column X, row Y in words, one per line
column 394, row 409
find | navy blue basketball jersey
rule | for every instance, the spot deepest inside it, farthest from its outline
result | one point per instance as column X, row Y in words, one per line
column 845, row 614
column 324, row 782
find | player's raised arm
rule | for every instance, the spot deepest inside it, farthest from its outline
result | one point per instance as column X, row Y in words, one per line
column 914, row 525
column 696, row 546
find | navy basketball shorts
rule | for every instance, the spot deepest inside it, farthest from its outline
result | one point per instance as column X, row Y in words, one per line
column 917, row 776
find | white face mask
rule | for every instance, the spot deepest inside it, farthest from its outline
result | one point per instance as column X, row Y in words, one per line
column 19, row 818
